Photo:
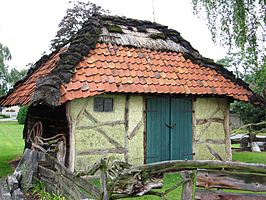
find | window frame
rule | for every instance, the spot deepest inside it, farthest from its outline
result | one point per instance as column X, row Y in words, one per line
column 103, row 104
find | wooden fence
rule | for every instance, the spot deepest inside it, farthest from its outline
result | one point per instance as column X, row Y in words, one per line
column 120, row 180
column 250, row 134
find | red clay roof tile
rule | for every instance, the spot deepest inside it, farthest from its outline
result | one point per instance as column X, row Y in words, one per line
column 114, row 68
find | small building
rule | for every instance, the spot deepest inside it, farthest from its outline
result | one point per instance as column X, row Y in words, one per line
column 129, row 89
column 11, row 112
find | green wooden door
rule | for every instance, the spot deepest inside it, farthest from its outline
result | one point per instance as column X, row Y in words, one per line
column 181, row 129
column 169, row 129
column 157, row 140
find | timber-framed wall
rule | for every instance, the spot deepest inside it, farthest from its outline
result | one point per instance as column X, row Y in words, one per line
column 120, row 134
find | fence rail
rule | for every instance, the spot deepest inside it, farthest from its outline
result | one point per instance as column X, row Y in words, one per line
column 120, row 180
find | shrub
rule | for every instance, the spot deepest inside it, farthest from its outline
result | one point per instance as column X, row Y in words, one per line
column 2, row 116
column 22, row 113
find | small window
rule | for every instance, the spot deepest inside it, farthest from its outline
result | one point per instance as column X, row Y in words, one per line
column 103, row 104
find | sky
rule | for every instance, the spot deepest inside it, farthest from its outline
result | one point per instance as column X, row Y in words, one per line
column 28, row 26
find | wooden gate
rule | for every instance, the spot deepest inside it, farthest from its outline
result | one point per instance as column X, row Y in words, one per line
column 169, row 129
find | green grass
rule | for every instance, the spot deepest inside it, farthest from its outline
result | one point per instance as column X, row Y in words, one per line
column 38, row 191
column 250, row 157
column 11, row 145
column 235, row 145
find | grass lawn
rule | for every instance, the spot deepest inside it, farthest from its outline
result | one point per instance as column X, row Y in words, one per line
column 11, row 144
column 250, row 157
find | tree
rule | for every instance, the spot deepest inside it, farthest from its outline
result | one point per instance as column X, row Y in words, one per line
column 73, row 20
column 4, row 56
column 8, row 77
column 14, row 75
column 238, row 24
column 247, row 112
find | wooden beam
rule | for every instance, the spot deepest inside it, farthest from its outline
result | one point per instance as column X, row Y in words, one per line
column 135, row 130
column 126, row 128
column 109, row 139
column 212, row 141
column 45, row 172
column 231, row 180
column 218, row 195
column 68, row 187
column 188, row 186
column 227, row 132
column 71, row 139
column 80, row 114
column 93, row 190
column 179, row 165
column 104, row 185
column 209, row 120
column 100, row 151
column 96, row 125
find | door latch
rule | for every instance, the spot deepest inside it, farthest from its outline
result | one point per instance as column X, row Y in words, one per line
column 170, row 126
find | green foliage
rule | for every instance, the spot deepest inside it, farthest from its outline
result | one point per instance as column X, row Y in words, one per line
column 238, row 24
column 7, row 79
column 15, row 75
column 22, row 114
column 4, row 56
column 11, row 145
column 39, row 192
column 2, row 116
column 73, row 20
column 256, row 80
column 249, row 113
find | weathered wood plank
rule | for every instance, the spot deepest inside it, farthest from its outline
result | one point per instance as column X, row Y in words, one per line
column 227, row 131
column 96, row 125
column 104, row 184
column 179, row 165
column 71, row 139
column 95, row 192
column 45, row 172
column 218, row 195
column 188, row 186
column 100, row 151
column 68, row 187
column 51, row 186
column 229, row 180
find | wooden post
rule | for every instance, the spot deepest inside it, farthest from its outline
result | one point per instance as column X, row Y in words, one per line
column 227, row 131
column 126, row 127
column 188, row 186
column 104, row 183
column 71, row 146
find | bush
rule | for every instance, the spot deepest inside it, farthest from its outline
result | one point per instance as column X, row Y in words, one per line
column 2, row 116
column 248, row 112
column 22, row 113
